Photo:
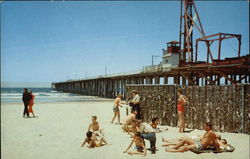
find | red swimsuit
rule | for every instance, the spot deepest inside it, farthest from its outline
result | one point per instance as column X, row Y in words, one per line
column 180, row 105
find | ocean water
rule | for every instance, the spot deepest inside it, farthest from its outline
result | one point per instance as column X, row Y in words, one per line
column 42, row 95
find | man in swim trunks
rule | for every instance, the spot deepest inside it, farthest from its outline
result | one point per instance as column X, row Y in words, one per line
column 189, row 143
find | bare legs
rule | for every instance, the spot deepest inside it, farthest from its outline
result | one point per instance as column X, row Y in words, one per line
column 182, row 122
column 118, row 115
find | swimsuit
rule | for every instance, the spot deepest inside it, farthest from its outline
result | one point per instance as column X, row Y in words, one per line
column 180, row 106
column 198, row 144
column 139, row 148
column 115, row 109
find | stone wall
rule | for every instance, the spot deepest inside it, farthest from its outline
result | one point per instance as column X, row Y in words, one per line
column 227, row 107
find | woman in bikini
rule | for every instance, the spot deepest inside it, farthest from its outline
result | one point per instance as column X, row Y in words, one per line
column 181, row 102
column 140, row 148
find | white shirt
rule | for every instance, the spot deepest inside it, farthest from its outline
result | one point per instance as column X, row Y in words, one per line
column 145, row 127
column 136, row 98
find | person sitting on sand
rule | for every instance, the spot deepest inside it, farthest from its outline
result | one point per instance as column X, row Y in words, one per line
column 139, row 145
column 126, row 125
column 92, row 141
column 94, row 127
column 116, row 110
column 200, row 144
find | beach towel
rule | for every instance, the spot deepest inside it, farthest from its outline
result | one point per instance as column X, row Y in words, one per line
column 229, row 148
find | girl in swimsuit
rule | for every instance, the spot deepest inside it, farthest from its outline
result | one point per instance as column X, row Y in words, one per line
column 181, row 102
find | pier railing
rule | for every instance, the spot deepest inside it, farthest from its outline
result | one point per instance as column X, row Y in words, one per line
column 227, row 107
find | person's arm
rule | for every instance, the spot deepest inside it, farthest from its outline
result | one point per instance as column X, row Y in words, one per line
column 84, row 142
column 216, row 144
column 89, row 127
column 129, row 146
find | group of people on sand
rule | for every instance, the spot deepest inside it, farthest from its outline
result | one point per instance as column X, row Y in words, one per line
column 140, row 131
column 28, row 101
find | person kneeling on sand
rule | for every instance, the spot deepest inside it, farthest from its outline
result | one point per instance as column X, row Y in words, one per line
column 92, row 141
column 189, row 143
column 94, row 127
column 139, row 145
column 126, row 125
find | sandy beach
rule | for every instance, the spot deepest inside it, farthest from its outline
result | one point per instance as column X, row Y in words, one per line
column 60, row 129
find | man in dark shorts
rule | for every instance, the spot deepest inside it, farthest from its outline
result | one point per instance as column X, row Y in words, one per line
column 26, row 99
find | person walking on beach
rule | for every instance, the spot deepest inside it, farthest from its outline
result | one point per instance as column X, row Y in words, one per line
column 135, row 103
column 181, row 102
column 31, row 103
column 116, row 110
column 26, row 99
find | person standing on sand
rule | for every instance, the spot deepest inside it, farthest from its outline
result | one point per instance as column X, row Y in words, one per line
column 26, row 99
column 116, row 110
column 31, row 103
column 181, row 102
column 135, row 103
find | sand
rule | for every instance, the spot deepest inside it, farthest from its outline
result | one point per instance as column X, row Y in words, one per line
column 60, row 129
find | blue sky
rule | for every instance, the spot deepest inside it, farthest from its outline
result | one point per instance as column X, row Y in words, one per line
column 55, row 41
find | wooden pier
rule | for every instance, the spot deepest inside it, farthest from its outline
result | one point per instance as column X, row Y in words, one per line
column 110, row 86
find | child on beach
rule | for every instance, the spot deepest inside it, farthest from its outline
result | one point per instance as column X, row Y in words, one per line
column 140, row 148
column 94, row 127
column 92, row 141
column 116, row 106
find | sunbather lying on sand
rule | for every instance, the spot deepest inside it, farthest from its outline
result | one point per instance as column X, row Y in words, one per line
column 222, row 142
column 207, row 140
column 140, row 148
column 92, row 141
